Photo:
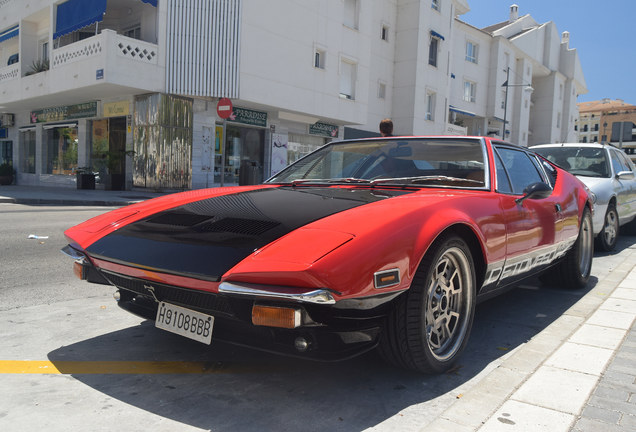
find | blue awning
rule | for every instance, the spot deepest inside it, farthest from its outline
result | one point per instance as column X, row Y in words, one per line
column 10, row 33
column 461, row 111
column 76, row 14
column 152, row 2
column 437, row 35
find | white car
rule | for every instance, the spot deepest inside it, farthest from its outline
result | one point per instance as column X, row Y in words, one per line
column 610, row 175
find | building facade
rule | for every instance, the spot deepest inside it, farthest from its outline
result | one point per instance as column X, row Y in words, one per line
column 612, row 121
column 128, row 90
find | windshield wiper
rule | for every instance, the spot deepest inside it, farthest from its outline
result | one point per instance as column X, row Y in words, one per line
column 346, row 180
column 425, row 179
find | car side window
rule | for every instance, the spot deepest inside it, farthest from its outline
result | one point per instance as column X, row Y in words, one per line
column 617, row 164
column 629, row 166
column 521, row 170
column 503, row 183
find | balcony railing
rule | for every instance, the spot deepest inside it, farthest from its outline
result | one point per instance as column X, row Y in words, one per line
column 108, row 40
column 10, row 72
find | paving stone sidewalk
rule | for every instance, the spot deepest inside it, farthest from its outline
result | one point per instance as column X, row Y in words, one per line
column 612, row 405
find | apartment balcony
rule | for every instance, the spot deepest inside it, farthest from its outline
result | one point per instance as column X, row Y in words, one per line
column 102, row 66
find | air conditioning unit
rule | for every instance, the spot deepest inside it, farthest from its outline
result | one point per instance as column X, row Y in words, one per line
column 6, row 120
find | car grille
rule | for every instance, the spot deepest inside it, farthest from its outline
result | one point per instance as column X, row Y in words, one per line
column 200, row 300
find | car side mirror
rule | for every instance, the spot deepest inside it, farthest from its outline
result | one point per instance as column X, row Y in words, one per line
column 625, row 175
column 538, row 190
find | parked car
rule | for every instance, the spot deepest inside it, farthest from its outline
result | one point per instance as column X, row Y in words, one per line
column 385, row 242
column 610, row 175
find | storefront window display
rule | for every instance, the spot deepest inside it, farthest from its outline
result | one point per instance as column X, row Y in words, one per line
column 99, row 149
column 61, row 150
column 301, row 145
column 27, row 151
column 243, row 155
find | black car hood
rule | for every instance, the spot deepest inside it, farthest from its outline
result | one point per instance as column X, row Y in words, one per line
column 207, row 238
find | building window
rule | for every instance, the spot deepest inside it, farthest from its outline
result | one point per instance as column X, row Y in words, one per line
column 44, row 50
column 471, row 52
column 430, row 106
column 319, row 58
column 470, row 91
column 133, row 32
column 432, row 51
column 347, row 79
column 351, row 9
column 27, row 152
column 558, row 120
column 382, row 90
column 436, row 4
column 61, row 150
column 385, row 33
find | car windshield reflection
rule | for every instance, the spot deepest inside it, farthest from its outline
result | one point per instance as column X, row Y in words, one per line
column 425, row 162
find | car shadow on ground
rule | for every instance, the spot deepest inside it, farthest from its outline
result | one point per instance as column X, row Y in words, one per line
column 252, row 391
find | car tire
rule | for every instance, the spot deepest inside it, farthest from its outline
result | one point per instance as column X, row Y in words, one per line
column 430, row 324
column 573, row 272
column 608, row 237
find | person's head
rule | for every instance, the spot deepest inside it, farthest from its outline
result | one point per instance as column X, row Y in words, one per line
column 386, row 127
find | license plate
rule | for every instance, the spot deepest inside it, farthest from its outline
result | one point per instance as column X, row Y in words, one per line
column 185, row 322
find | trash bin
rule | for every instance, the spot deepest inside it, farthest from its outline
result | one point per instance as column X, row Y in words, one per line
column 250, row 173
column 85, row 180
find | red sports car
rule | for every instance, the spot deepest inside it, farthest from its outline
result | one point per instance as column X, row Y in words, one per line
column 386, row 242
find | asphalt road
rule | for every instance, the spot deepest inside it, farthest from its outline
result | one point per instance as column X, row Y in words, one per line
column 114, row 371
column 34, row 271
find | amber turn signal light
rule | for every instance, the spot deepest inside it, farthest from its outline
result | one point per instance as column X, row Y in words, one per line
column 272, row 316
column 78, row 270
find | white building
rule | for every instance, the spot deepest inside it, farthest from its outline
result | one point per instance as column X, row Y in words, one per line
column 130, row 88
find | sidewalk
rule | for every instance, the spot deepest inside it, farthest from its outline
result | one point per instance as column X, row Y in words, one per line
column 577, row 375
column 19, row 194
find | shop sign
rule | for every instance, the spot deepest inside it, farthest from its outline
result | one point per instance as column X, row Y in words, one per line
column 323, row 129
column 116, row 109
column 68, row 112
column 250, row 117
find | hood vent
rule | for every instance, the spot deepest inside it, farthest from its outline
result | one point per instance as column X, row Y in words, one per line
column 181, row 219
column 249, row 227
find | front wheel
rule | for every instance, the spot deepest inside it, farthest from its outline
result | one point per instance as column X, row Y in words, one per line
column 607, row 238
column 575, row 268
column 430, row 325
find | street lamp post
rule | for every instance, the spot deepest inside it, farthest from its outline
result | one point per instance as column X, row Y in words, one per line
column 506, row 84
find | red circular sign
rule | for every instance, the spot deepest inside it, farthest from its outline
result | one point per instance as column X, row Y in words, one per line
column 224, row 108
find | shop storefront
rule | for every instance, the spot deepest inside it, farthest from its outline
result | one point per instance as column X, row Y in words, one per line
column 242, row 158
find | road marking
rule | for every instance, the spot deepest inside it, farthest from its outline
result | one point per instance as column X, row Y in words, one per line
column 123, row 367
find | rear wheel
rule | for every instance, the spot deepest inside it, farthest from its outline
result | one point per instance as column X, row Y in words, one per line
column 607, row 238
column 430, row 325
column 574, row 270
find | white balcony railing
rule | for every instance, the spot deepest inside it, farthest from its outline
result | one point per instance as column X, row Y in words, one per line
column 108, row 40
column 10, row 72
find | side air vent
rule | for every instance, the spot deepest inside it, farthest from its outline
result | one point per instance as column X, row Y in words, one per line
column 248, row 227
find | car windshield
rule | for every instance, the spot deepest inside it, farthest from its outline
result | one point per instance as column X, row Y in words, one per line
column 417, row 161
column 583, row 161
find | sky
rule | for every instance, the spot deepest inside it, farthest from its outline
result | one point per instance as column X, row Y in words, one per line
column 602, row 32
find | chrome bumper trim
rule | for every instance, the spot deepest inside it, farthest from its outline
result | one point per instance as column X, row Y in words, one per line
column 319, row 296
column 73, row 253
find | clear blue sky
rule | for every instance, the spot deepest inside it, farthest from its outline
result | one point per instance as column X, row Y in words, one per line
column 602, row 32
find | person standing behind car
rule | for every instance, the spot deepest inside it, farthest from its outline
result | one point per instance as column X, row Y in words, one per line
column 386, row 127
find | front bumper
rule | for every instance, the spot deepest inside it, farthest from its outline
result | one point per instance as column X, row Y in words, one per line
column 328, row 332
